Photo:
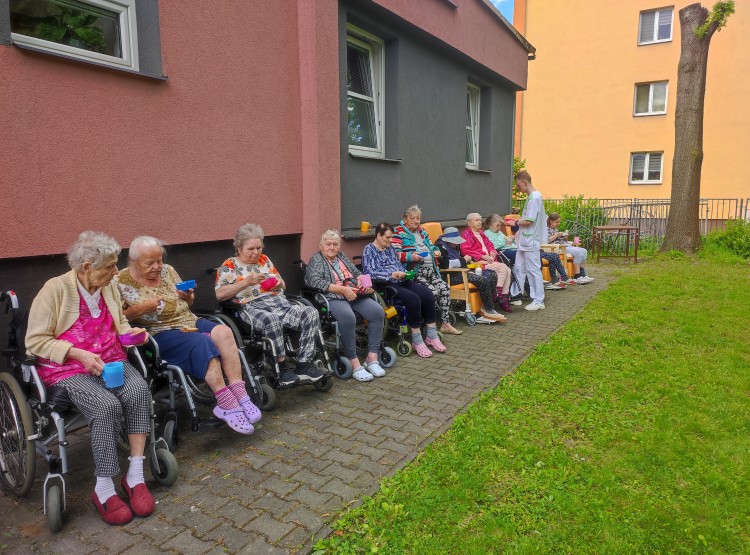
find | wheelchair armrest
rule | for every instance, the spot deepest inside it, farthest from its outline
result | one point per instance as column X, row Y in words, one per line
column 454, row 270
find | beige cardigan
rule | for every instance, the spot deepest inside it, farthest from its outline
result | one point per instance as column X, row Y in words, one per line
column 56, row 308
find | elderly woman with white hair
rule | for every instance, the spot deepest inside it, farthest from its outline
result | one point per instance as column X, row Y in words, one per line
column 201, row 348
column 74, row 329
column 251, row 279
column 332, row 273
column 411, row 242
column 482, row 250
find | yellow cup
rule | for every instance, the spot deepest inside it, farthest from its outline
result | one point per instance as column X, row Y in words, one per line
column 364, row 227
column 390, row 312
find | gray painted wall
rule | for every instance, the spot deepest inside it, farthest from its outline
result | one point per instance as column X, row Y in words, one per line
column 425, row 123
column 4, row 22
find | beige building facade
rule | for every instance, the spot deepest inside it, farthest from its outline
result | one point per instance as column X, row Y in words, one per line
column 597, row 118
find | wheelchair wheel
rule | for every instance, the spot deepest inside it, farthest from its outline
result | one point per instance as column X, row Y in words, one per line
column 166, row 475
column 268, row 397
column 16, row 425
column 452, row 318
column 470, row 319
column 54, row 508
column 342, row 367
column 404, row 348
column 170, row 434
column 324, row 385
column 387, row 357
column 200, row 391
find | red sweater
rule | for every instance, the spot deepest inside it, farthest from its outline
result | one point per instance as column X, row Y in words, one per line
column 473, row 247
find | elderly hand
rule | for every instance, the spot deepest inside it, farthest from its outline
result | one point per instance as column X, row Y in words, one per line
column 350, row 293
column 415, row 257
column 187, row 296
column 467, row 258
column 398, row 275
column 91, row 362
column 150, row 305
column 136, row 331
column 436, row 253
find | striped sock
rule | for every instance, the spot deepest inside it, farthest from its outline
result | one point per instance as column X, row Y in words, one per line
column 226, row 399
column 416, row 338
column 238, row 390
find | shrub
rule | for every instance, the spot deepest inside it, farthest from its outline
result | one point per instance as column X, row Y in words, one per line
column 735, row 238
column 578, row 214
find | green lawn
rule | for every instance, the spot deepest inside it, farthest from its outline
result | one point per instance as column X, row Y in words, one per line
column 628, row 432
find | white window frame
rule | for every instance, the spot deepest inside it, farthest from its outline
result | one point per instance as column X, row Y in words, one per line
column 474, row 94
column 646, row 181
column 657, row 11
column 650, row 112
column 128, row 36
column 376, row 47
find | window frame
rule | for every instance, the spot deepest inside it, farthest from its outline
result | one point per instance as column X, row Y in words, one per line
column 376, row 47
column 656, row 11
column 474, row 102
column 646, row 163
column 126, row 10
column 650, row 98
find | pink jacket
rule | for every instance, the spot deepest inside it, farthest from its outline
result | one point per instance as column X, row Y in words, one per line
column 473, row 248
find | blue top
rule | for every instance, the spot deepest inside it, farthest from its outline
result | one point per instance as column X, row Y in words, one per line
column 381, row 264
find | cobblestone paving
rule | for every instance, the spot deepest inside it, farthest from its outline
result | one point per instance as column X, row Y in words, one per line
column 311, row 458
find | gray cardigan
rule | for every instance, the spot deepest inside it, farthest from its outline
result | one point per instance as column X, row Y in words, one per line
column 319, row 274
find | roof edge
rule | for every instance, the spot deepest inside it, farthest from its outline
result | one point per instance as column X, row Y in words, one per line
column 526, row 44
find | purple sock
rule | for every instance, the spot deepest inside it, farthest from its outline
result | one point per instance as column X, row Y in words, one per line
column 226, row 399
column 238, row 390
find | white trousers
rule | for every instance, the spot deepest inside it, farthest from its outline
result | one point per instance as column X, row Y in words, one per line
column 529, row 265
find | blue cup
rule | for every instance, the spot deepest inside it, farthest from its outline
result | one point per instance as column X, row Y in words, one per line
column 113, row 374
column 186, row 285
column 423, row 254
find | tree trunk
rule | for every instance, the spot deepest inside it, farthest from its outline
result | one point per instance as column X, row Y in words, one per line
column 683, row 231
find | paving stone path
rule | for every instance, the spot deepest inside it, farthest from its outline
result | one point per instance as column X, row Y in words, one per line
column 311, row 458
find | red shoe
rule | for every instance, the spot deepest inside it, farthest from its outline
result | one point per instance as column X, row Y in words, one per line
column 114, row 511
column 141, row 500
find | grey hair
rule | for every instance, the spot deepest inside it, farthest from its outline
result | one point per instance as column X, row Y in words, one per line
column 247, row 232
column 93, row 247
column 330, row 234
column 413, row 209
column 141, row 243
column 491, row 220
column 472, row 215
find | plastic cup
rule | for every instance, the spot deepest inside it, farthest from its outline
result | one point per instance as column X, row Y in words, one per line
column 364, row 227
column 365, row 281
column 410, row 274
column 576, row 240
column 113, row 374
column 268, row 283
column 130, row 339
column 185, row 285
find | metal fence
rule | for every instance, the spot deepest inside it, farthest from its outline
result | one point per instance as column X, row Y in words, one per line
column 649, row 215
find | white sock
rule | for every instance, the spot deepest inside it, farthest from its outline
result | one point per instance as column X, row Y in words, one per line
column 135, row 472
column 105, row 488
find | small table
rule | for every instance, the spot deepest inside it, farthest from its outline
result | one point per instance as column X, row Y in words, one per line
column 601, row 230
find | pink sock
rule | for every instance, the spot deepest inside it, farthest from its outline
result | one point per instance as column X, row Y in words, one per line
column 226, row 399
column 238, row 390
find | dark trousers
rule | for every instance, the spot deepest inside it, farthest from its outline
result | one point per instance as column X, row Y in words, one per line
column 418, row 300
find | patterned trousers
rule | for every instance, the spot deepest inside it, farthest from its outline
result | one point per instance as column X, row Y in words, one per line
column 486, row 284
column 104, row 410
column 555, row 265
column 426, row 276
column 270, row 314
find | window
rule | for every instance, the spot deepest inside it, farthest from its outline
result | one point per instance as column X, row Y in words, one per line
column 655, row 26
column 473, row 95
column 102, row 31
column 646, row 167
column 364, row 92
column 650, row 99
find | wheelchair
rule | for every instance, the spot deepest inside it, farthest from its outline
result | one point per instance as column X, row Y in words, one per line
column 34, row 417
column 342, row 366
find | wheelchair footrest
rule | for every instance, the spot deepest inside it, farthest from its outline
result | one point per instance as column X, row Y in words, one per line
column 210, row 424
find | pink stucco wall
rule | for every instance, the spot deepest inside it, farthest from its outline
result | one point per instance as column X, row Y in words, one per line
column 471, row 28
column 187, row 160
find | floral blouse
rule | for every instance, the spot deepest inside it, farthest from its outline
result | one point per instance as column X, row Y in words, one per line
column 233, row 270
column 172, row 313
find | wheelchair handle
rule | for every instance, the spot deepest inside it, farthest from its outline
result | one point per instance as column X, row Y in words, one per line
column 11, row 298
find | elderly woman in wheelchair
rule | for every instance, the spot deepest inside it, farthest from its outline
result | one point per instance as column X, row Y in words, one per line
column 334, row 276
column 75, row 327
column 203, row 349
column 251, row 280
column 381, row 262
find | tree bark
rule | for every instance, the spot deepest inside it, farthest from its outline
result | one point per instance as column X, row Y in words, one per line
column 683, row 226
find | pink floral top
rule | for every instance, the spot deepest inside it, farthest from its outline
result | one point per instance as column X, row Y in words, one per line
column 96, row 335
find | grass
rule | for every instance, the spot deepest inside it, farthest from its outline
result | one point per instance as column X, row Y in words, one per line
column 627, row 432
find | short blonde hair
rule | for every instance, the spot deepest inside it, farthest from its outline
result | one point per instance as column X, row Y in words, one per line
column 247, row 232
column 413, row 209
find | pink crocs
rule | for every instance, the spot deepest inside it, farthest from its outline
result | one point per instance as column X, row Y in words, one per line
column 422, row 350
column 435, row 344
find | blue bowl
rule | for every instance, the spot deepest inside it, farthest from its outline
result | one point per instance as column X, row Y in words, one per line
column 185, row 285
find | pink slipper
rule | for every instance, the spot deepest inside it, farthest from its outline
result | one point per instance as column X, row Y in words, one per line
column 435, row 344
column 422, row 350
column 235, row 419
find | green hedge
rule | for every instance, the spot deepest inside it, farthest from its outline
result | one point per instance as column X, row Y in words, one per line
column 735, row 238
